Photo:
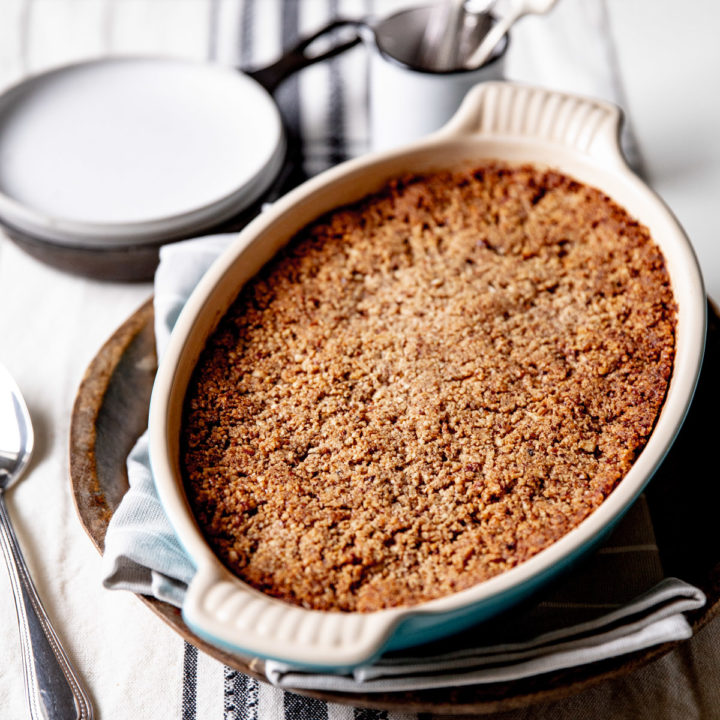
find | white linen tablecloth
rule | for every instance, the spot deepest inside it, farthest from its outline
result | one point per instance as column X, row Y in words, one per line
column 52, row 324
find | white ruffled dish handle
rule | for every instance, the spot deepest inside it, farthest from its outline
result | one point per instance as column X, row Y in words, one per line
column 511, row 111
column 224, row 611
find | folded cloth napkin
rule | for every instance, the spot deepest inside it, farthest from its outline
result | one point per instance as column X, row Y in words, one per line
column 617, row 603
column 142, row 553
column 651, row 618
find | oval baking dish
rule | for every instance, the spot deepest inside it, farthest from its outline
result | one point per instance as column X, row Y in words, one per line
column 497, row 121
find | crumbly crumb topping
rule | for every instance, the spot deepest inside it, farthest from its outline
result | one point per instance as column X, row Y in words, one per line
column 428, row 387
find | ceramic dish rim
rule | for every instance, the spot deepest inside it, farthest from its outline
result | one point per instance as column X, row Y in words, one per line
column 574, row 542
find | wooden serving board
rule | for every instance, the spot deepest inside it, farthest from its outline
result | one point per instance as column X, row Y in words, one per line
column 110, row 412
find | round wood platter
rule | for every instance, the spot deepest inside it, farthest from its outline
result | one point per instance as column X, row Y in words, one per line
column 110, row 413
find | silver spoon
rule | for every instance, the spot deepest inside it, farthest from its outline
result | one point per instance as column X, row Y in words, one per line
column 439, row 44
column 454, row 29
column 53, row 689
column 518, row 8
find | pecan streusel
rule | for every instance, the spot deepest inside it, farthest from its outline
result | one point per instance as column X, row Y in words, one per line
column 428, row 387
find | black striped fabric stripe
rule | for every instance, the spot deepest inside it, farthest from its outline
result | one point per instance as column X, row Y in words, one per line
column 367, row 714
column 337, row 148
column 288, row 98
column 189, row 691
column 298, row 707
column 241, row 696
column 246, row 33
column 288, row 95
column 337, row 151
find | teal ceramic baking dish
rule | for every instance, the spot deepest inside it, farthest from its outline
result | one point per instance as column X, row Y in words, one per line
column 497, row 121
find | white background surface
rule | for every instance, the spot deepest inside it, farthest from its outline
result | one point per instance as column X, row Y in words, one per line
column 52, row 324
column 669, row 56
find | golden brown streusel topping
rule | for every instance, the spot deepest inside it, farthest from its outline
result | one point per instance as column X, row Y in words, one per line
column 428, row 387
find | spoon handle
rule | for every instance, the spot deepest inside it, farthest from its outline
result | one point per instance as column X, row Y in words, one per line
column 486, row 47
column 53, row 688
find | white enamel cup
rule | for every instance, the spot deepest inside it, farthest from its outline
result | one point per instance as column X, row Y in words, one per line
column 408, row 101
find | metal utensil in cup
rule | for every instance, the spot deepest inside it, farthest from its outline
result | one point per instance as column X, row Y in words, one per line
column 408, row 99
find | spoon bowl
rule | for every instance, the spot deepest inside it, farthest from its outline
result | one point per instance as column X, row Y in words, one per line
column 16, row 433
column 52, row 686
column 518, row 9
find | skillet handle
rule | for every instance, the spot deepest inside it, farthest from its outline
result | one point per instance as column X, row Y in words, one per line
column 225, row 612
column 300, row 56
column 553, row 119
